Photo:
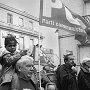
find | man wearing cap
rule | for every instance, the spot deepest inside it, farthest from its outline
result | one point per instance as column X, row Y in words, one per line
column 8, row 59
column 84, row 74
column 66, row 78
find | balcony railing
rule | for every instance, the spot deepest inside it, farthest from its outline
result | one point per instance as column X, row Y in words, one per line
column 87, row 18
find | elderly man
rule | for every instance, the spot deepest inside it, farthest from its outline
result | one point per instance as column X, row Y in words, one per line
column 84, row 74
column 25, row 69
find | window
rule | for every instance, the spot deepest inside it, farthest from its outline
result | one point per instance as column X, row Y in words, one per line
column 3, row 35
column 21, row 43
column 31, row 42
column 30, row 24
column 9, row 18
column 21, row 21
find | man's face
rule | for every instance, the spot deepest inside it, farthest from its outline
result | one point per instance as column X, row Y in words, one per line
column 71, row 60
column 28, row 69
column 11, row 48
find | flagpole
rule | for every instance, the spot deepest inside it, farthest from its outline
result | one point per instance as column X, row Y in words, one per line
column 57, row 31
column 39, row 58
column 40, row 14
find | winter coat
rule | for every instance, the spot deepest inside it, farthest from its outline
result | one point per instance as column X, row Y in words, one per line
column 84, row 74
column 24, row 85
column 8, row 60
column 66, row 78
column 83, row 80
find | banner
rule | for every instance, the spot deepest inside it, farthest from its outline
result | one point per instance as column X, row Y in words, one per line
column 56, row 15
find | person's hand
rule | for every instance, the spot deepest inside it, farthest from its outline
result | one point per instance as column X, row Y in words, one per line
column 74, row 69
column 23, row 52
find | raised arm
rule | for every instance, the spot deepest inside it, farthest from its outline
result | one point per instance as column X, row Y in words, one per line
column 10, row 60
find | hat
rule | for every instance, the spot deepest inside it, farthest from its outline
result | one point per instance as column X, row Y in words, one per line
column 10, row 39
column 68, row 52
column 85, row 59
column 85, row 64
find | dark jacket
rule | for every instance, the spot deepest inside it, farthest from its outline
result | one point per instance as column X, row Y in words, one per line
column 66, row 79
column 27, row 84
column 24, row 85
column 8, row 60
column 83, row 80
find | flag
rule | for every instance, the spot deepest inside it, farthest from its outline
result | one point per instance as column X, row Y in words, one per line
column 56, row 15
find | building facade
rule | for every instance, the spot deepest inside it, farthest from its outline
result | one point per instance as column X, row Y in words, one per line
column 67, row 41
column 21, row 24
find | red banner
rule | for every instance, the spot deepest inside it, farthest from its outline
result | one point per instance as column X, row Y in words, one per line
column 56, row 15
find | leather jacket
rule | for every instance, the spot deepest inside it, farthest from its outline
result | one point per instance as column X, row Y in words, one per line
column 8, row 60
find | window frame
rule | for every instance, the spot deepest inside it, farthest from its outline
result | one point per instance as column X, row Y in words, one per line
column 9, row 18
column 22, row 21
column 20, row 43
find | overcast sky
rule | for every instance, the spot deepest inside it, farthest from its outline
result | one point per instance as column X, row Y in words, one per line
column 30, row 6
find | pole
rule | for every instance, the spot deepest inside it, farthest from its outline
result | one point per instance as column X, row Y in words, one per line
column 59, row 48
column 39, row 58
column 57, row 31
column 40, row 14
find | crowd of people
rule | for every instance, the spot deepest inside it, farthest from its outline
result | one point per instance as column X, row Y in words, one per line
column 18, row 71
column 69, row 79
